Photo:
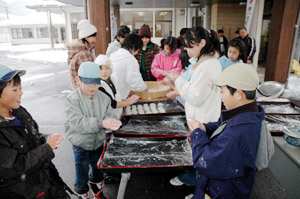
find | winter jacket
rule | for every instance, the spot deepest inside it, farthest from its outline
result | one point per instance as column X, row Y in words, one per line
column 226, row 163
column 165, row 62
column 225, row 62
column 126, row 70
column 113, row 47
column 202, row 97
column 145, row 58
column 78, row 52
column 83, row 119
column 250, row 47
column 115, row 97
column 26, row 170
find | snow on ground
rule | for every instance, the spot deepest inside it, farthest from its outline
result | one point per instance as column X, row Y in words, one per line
column 37, row 52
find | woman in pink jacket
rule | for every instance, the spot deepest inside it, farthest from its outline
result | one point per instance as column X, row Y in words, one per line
column 167, row 60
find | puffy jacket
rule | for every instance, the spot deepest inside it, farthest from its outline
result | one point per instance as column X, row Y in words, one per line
column 126, row 70
column 113, row 47
column 83, row 119
column 226, row 164
column 202, row 97
column 166, row 62
column 78, row 52
column 26, row 170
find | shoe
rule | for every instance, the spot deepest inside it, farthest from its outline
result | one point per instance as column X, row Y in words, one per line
column 189, row 196
column 83, row 196
column 176, row 182
column 97, row 190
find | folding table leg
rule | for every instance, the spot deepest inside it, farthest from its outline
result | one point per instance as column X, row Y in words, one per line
column 123, row 184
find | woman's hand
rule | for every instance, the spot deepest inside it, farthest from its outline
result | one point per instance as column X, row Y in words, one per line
column 195, row 124
column 55, row 140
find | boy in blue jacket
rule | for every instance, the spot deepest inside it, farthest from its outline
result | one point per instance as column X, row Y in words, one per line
column 228, row 153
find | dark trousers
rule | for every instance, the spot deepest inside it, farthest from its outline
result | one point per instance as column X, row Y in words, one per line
column 84, row 159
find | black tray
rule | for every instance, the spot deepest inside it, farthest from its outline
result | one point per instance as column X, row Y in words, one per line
column 153, row 126
column 276, row 123
column 280, row 108
column 131, row 154
column 172, row 107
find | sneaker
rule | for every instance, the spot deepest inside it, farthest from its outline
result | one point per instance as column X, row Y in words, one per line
column 176, row 182
column 97, row 192
column 189, row 196
column 83, row 196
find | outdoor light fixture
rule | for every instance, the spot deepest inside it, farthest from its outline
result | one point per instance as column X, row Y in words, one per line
column 195, row 4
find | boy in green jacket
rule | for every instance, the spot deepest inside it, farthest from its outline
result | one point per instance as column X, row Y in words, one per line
column 88, row 114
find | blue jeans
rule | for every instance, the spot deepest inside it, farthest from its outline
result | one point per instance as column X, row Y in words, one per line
column 84, row 158
column 189, row 177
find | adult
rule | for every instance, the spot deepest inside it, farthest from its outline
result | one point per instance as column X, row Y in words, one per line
column 81, row 50
column 237, row 34
column 146, row 55
column 123, row 32
column 126, row 67
column 223, row 42
column 250, row 44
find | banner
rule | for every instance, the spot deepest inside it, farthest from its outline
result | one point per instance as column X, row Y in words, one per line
column 249, row 13
column 113, row 24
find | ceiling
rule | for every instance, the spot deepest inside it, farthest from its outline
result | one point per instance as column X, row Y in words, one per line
column 156, row 3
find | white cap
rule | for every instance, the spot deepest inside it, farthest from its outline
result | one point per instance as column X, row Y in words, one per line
column 239, row 76
column 85, row 29
column 104, row 60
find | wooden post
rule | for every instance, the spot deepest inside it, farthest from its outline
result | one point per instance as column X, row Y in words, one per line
column 284, row 16
column 100, row 17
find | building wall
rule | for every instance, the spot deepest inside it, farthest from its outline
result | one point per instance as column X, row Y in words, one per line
column 228, row 17
column 179, row 20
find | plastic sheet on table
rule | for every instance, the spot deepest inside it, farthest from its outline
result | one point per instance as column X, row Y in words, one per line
column 276, row 123
column 167, row 125
column 280, row 108
column 146, row 152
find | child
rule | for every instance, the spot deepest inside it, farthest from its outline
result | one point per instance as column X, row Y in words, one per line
column 126, row 67
column 26, row 170
column 122, row 33
column 187, row 60
column 81, row 50
column 167, row 60
column 109, row 86
column 146, row 55
column 228, row 153
column 202, row 99
column 236, row 53
column 88, row 113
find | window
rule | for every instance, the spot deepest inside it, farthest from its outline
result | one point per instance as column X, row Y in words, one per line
column 134, row 20
column 22, row 33
column 163, row 23
column 75, row 18
column 42, row 32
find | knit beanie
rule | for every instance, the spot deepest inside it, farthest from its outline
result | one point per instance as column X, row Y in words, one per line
column 145, row 31
column 104, row 60
column 85, row 29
